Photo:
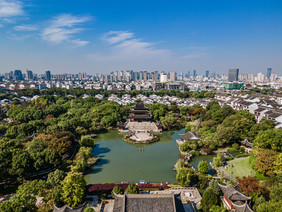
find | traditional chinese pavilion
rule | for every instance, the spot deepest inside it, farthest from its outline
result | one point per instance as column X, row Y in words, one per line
column 139, row 113
column 247, row 145
column 234, row 200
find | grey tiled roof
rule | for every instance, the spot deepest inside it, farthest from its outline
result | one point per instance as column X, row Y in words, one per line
column 233, row 192
column 147, row 202
column 247, row 143
column 189, row 136
column 242, row 208
column 66, row 208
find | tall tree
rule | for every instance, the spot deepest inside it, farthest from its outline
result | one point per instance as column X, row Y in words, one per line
column 209, row 199
column 73, row 188
column 264, row 162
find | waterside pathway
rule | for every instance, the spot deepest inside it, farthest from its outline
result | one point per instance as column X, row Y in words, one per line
column 124, row 162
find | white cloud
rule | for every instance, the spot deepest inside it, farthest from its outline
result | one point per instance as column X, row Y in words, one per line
column 114, row 37
column 25, row 28
column 125, row 45
column 63, row 28
column 10, row 8
column 126, row 51
column 79, row 42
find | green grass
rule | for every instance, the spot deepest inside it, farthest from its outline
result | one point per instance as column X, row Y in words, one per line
column 241, row 168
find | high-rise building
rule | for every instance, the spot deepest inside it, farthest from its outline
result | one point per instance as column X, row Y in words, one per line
column 273, row 77
column 233, row 74
column 260, row 77
column 207, row 73
column 163, row 77
column 188, row 74
column 48, row 75
column 172, row 76
column 156, row 76
column 29, row 75
column 194, row 73
column 145, row 75
column 18, row 75
column 268, row 72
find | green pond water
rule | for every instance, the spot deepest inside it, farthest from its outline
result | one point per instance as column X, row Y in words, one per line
column 123, row 162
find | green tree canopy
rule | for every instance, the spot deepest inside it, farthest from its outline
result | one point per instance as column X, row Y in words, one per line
column 73, row 188
column 117, row 190
column 132, row 189
column 208, row 200
column 203, row 167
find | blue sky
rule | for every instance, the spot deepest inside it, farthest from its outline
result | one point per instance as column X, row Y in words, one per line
column 102, row 36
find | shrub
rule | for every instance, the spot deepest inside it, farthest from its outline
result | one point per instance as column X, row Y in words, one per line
column 259, row 176
column 117, row 190
column 86, row 141
column 235, row 146
column 195, row 153
column 231, row 150
column 241, row 156
column 228, row 159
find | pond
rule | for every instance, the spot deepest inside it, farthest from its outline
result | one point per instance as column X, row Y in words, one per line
column 123, row 162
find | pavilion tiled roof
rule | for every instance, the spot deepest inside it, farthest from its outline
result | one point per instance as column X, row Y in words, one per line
column 233, row 193
column 242, row 208
column 246, row 143
column 66, row 208
column 189, row 136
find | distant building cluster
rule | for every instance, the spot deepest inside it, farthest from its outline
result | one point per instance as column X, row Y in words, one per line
column 142, row 80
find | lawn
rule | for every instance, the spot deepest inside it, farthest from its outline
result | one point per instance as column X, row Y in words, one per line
column 241, row 167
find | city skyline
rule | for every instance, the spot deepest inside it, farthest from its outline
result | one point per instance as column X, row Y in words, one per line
column 101, row 37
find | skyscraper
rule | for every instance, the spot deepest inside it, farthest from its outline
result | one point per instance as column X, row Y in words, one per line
column 48, row 75
column 172, row 76
column 188, row 74
column 18, row 75
column 29, row 75
column 163, row 77
column 268, row 72
column 233, row 74
column 207, row 73
column 194, row 73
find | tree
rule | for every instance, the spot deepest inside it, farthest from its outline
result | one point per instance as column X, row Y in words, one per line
column 61, row 142
column 263, row 125
column 73, row 188
column 34, row 187
column 248, row 185
column 278, row 164
column 117, row 190
column 87, row 141
column 21, row 164
column 217, row 161
column 19, row 203
column 217, row 208
column 276, row 193
column 264, row 162
column 213, row 185
column 209, row 199
column 88, row 209
column 213, row 106
column 269, row 207
column 54, row 178
column 132, row 189
column 227, row 110
column 269, row 139
column 182, row 176
column 203, row 167
column 5, row 163
column 46, row 206
column 258, row 201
